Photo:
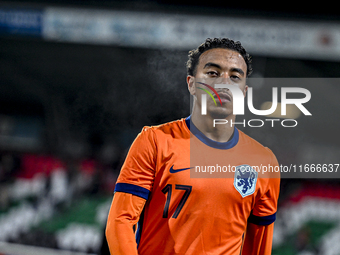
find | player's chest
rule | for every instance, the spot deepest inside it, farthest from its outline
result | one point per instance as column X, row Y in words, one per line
column 222, row 179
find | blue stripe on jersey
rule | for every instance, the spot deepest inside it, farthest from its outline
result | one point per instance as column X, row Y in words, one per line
column 132, row 189
column 265, row 220
column 217, row 145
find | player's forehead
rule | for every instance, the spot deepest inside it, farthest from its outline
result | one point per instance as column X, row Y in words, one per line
column 224, row 57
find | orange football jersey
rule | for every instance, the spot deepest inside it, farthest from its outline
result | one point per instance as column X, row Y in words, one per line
column 190, row 210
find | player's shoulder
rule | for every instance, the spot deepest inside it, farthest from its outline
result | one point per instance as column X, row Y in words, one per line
column 173, row 128
column 251, row 143
column 264, row 154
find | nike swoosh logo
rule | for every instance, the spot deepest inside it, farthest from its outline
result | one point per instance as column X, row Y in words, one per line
column 173, row 171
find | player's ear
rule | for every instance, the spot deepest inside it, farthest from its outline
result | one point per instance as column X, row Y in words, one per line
column 245, row 90
column 191, row 84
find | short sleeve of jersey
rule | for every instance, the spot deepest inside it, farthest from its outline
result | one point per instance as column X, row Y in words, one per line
column 137, row 174
column 264, row 211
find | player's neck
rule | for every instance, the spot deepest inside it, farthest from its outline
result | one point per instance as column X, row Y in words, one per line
column 205, row 123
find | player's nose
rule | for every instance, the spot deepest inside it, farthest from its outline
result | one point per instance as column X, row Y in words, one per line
column 225, row 79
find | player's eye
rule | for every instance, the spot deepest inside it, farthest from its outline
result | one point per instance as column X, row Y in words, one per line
column 212, row 73
column 235, row 77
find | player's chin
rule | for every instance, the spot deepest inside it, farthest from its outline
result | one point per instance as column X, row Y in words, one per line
column 220, row 112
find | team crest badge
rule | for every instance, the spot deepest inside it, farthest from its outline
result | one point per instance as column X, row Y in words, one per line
column 245, row 180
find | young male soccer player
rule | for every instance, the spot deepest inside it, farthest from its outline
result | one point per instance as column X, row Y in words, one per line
column 177, row 214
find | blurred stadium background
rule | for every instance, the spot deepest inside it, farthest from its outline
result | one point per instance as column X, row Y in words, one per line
column 79, row 79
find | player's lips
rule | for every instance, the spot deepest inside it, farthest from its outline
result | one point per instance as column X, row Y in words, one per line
column 225, row 97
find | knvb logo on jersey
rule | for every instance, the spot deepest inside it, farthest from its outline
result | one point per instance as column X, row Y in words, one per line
column 238, row 98
column 245, row 180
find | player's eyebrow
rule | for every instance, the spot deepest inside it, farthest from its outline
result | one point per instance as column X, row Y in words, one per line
column 210, row 64
column 234, row 69
column 238, row 70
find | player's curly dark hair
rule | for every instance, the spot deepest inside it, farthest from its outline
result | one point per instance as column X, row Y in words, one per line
column 209, row 43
